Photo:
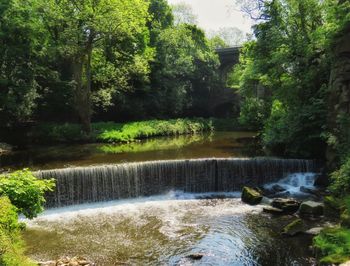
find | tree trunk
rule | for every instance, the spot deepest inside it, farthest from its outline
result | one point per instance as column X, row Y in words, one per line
column 83, row 90
column 339, row 99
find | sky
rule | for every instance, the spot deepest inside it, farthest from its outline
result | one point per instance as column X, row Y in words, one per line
column 216, row 14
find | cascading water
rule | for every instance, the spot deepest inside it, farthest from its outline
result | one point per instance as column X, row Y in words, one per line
column 109, row 182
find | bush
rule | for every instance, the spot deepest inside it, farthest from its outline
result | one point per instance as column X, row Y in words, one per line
column 11, row 251
column 341, row 179
column 253, row 113
column 333, row 245
column 153, row 128
column 25, row 191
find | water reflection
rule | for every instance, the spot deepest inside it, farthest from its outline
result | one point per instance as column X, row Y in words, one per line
column 219, row 144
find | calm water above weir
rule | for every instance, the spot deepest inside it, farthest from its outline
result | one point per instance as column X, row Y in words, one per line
column 218, row 144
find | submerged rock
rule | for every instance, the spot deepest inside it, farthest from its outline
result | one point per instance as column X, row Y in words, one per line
column 288, row 205
column 66, row 261
column 309, row 190
column 272, row 210
column 295, row 227
column 196, row 256
column 311, row 208
column 251, row 196
column 275, row 189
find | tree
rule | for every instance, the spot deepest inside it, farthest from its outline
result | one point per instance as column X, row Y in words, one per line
column 231, row 36
column 183, row 13
column 79, row 31
column 22, row 42
column 288, row 60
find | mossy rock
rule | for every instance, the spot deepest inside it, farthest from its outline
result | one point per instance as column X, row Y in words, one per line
column 311, row 208
column 295, row 227
column 287, row 205
column 332, row 206
column 251, row 196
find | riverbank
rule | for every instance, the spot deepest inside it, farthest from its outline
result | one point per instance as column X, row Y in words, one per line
column 111, row 132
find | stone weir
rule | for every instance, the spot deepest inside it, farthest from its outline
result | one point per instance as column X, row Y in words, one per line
column 128, row 180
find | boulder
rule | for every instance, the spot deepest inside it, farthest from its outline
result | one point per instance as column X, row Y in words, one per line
column 251, row 196
column 295, row 227
column 322, row 180
column 275, row 189
column 309, row 190
column 314, row 231
column 288, row 205
column 272, row 210
column 311, row 208
column 332, row 206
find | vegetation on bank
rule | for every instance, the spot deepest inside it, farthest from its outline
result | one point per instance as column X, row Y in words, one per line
column 11, row 245
column 20, row 193
column 111, row 132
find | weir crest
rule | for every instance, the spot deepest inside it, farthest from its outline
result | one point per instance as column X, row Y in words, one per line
column 110, row 182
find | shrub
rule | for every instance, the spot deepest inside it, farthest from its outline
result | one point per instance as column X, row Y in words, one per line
column 11, row 251
column 341, row 179
column 253, row 113
column 152, row 128
column 333, row 245
column 25, row 191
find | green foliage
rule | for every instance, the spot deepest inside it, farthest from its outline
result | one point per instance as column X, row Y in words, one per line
column 122, row 132
column 152, row 128
column 253, row 113
column 11, row 246
column 341, row 179
column 293, row 70
column 333, row 244
column 25, row 191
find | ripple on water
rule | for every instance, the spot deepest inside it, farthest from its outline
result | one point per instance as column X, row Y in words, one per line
column 164, row 230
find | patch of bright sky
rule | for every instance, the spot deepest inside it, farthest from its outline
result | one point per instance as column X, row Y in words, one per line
column 216, row 14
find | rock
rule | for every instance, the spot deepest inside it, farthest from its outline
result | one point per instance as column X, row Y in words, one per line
column 314, row 231
column 251, row 196
column 287, row 205
column 295, row 227
column 66, row 261
column 347, row 263
column 275, row 189
column 332, row 206
column 195, row 256
column 311, row 208
column 5, row 148
column 322, row 180
column 272, row 210
column 309, row 190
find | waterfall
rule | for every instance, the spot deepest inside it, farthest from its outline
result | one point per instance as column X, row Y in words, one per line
column 109, row 182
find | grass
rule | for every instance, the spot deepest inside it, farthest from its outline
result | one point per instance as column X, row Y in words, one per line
column 11, row 246
column 154, row 128
column 111, row 132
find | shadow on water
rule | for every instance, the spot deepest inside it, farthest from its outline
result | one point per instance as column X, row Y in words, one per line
column 219, row 144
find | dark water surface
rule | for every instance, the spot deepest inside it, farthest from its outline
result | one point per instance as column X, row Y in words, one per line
column 218, row 144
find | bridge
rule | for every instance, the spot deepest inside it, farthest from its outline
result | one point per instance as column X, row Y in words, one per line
column 228, row 58
column 225, row 101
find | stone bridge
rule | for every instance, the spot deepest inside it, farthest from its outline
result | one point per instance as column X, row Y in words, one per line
column 228, row 58
column 225, row 101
